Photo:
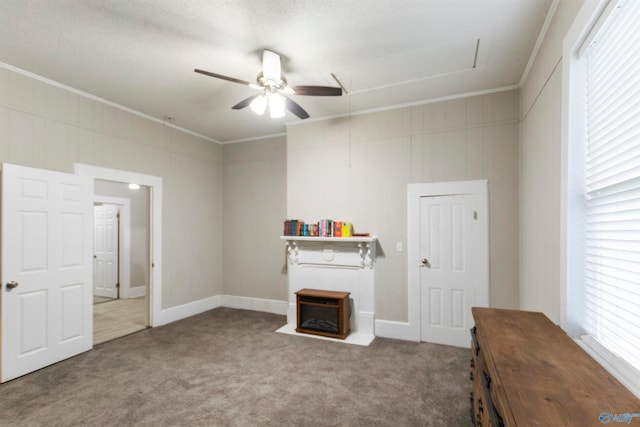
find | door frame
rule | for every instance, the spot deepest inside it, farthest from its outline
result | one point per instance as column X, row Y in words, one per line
column 124, row 240
column 154, row 183
column 414, row 193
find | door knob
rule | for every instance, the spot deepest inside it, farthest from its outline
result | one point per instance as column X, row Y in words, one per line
column 425, row 263
column 12, row 284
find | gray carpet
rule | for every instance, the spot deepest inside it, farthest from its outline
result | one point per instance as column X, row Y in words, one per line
column 229, row 368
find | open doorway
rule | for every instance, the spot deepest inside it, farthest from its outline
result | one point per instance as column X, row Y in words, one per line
column 151, row 265
column 121, row 259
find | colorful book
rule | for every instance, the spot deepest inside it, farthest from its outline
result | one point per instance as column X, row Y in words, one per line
column 323, row 228
column 337, row 229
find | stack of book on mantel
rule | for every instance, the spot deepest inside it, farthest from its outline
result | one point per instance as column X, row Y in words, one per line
column 323, row 228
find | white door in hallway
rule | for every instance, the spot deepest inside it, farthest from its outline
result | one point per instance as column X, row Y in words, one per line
column 448, row 275
column 105, row 255
column 46, row 295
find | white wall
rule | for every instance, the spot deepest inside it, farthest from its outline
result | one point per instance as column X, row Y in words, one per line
column 540, row 139
column 46, row 126
column 254, row 201
column 352, row 169
column 358, row 169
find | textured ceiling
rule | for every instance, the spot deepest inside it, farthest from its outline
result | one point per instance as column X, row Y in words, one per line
column 141, row 54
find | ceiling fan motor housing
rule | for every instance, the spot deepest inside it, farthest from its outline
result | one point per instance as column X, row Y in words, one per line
column 271, row 84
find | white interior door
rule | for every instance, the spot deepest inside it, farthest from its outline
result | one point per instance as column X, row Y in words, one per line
column 448, row 243
column 105, row 255
column 46, row 296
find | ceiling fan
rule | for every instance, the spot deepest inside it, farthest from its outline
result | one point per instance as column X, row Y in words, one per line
column 274, row 88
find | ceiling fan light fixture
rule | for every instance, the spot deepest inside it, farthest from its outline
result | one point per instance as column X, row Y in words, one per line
column 276, row 106
column 274, row 87
column 259, row 105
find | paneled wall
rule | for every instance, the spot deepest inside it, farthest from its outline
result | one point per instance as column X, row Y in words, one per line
column 357, row 169
column 254, row 203
column 540, row 192
column 49, row 127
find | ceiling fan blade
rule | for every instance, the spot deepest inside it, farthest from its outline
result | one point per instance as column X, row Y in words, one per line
column 318, row 90
column 245, row 102
column 295, row 108
column 220, row 76
column 271, row 67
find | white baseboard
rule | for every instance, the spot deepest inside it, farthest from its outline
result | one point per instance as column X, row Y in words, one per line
column 138, row 291
column 382, row 328
column 396, row 330
column 369, row 326
column 255, row 304
column 183, row 311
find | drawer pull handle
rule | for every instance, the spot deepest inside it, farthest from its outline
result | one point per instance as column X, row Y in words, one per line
column 476, row 346
column 487, row 380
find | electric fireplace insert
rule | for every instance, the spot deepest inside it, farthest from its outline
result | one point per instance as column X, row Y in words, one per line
column 323, row 313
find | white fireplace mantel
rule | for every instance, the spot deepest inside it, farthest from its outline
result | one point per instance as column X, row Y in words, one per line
column 366, row 248
column 335, row 264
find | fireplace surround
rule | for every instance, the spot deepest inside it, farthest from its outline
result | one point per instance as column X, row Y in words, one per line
column 335, row 264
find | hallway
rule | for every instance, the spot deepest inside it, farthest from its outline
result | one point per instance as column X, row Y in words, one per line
column 117, row 318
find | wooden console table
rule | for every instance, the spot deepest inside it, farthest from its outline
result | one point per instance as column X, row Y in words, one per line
column 526, row 371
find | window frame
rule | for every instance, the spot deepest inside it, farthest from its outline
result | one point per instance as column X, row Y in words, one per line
column 572, row 300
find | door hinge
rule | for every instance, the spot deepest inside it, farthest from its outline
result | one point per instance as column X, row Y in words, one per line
column 117, row 285
column 475, row 214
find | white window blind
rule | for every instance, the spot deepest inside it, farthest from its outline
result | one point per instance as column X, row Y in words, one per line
column 612, row 185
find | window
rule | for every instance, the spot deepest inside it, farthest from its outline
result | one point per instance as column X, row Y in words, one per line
column 609, row 63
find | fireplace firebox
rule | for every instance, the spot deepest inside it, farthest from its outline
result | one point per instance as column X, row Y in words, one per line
column 323, row 313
